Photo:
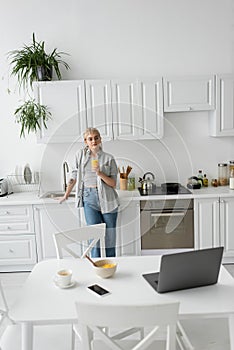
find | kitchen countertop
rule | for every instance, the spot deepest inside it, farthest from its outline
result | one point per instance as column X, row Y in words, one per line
column 33, row 198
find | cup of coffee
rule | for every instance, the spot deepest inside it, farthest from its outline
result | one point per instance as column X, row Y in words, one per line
column 63, row 277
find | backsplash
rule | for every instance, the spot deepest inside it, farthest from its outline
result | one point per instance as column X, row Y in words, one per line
column 185, row 148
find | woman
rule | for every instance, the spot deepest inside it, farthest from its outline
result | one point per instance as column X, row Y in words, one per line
column 95, row 177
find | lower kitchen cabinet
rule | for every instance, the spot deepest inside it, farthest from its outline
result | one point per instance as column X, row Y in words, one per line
column 128, row 229
column 17, row 238
column 52, row 218
column 214, row 222
column 17, row 253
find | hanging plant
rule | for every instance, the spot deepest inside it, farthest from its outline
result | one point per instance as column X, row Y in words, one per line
column 31, row 116
column 32, row 63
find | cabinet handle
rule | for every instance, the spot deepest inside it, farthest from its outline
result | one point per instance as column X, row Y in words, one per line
column 11, row 250
column 190, row 108
column 9, row 227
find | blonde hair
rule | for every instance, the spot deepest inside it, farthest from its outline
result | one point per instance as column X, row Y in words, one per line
column 91, row 131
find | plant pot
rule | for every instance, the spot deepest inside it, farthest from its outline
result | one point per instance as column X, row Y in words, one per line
column 44, row 73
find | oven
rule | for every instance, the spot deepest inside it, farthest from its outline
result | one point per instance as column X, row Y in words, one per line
column 166, row 225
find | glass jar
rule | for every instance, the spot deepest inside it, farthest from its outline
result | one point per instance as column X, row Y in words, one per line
column 131, row 183
column 214, row 182
column 222, row 174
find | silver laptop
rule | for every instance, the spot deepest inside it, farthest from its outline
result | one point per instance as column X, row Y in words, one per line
column 190, row 269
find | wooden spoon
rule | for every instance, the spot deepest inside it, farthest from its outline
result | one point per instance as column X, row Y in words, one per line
column 94, row 264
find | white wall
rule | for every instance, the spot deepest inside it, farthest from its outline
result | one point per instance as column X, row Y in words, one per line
column 124, row 38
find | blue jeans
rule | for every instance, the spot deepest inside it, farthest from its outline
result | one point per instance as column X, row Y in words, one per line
column 94, row 216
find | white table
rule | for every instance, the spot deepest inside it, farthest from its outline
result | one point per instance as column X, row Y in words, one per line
column 41, row 302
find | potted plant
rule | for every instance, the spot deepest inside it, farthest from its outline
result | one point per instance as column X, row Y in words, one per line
column 30, row 115
column 33, row 63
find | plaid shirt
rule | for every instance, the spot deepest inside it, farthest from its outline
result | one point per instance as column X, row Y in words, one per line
column 108, row 196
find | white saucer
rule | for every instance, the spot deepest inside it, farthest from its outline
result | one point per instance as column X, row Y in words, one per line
column 64, row 287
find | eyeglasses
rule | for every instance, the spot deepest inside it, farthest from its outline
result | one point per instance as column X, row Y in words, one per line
column 95, row 138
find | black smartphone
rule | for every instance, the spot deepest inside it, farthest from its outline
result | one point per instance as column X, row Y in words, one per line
column 98, row 290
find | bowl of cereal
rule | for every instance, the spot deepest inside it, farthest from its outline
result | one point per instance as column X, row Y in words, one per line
column 105, row 268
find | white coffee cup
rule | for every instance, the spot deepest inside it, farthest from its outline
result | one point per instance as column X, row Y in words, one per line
column 63, row 277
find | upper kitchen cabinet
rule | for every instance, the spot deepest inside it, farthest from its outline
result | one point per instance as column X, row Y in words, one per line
column 222, row 119
column 125, row 109
column 137, row 109
column 66, row 102
column 120, row 109
column 150, row 100
column 189, row 93
column 98, row 104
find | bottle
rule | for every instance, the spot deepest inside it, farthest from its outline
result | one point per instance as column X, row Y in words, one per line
column 200, row 177
column 231, row 167
column 222, row 174
column 231, row 179
column 205, row 181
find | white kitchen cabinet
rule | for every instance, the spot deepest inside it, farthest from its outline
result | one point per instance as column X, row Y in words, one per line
column 66, row 102
column 49, row 219
column 221, row 121
column 214, row 220
column 126, row 109
column 150, row 101
column 189, row 93
column 206, row 223
column 126, row 116
column 52, row 218
column 17, row 238
column 98, row 105
column 226, row 227
column 128, row 229
column 121, row 109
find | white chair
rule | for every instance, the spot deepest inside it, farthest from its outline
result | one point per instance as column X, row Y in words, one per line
column 45, row 337
column 84, row 238
column 94, row 318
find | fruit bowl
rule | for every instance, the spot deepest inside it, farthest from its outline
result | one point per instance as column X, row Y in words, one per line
column 105, row 268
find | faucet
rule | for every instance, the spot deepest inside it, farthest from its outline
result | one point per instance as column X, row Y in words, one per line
column 65, row 170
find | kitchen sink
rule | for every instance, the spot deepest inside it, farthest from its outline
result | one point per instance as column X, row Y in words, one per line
column 56, row 194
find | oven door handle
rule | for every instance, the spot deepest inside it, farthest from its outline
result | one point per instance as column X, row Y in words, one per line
column 167, row 214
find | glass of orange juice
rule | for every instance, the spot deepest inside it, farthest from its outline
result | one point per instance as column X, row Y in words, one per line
column 94, row 163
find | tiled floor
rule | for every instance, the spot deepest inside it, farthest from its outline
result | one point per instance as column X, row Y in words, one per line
column 215, row 336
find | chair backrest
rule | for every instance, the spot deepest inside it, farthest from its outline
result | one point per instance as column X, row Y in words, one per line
column 93, row 319
column 3, row 302
column 4, row 317
column 85, row 238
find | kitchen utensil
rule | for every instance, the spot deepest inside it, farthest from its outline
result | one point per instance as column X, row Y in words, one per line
column 129, row 168
column 92, row 262
column 123, row 184
column 3, row 187
column 147, row 182
column 172, row 187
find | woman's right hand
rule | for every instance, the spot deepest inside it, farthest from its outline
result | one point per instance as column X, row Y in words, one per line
column 61, row 199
